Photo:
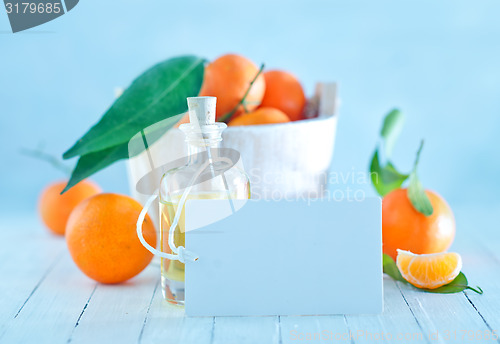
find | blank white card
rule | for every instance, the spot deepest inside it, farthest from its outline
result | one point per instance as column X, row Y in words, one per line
column 304, row 257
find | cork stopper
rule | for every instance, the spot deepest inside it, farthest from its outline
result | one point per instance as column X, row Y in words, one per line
column 201, row 110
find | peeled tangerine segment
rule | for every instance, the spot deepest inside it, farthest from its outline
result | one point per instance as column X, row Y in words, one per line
column 429, row 271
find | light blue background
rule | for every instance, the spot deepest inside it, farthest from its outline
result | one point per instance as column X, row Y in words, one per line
column 438, row 61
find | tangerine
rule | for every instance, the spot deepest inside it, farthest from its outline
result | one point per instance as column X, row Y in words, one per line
column 405, row 228
column 55, row 208
column 284, row 92
column 102, row 239
column 263, row 115
column 429, row 271
column 228, row 78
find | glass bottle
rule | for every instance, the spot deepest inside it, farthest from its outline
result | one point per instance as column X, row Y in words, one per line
column 213, row 180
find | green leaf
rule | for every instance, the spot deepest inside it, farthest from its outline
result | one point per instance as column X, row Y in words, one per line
column 416, row 192
column 91, row 163
column 385, row 178
column 459, row 284
column 390, row 268
column 418, row 197
column 393, row 123
column 158, row 93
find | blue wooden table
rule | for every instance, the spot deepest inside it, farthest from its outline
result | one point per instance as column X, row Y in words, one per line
column 46, row 299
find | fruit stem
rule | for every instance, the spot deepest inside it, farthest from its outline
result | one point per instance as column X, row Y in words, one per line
column 245, row 107
column 226, row 117
column 40, row 154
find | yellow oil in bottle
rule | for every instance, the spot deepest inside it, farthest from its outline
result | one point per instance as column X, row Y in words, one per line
column 172, row 271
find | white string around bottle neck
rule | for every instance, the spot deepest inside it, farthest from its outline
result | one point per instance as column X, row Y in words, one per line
column 178, row 253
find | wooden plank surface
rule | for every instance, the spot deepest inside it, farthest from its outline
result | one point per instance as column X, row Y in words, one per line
column 110, row 307
column 313, row 329
column 52, row 311
column 397, row 323
column 166, row 323
column 46, row 299
column 245, row 330
column 27, row 255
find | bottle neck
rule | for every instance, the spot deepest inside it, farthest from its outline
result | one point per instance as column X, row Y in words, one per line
column 197, row 153
column 195, row 147
column 202, row 139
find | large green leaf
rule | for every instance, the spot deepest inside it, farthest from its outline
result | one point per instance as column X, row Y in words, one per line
column 91, row 163
column 158, row 93
column 385, row 178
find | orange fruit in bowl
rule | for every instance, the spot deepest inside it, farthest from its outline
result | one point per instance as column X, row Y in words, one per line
column 429, row 271
column 284, row 92
column 55, row 208
column 102, row 239
column 405, row 228
column 228, row 78
column 263, row 115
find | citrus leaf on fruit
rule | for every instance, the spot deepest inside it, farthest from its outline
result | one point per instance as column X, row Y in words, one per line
column 416, row 192
column 158, row 93
column 385, row 178
column 393, row 123
column 418, row 197
column 459, row 284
